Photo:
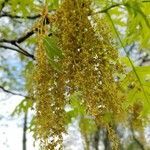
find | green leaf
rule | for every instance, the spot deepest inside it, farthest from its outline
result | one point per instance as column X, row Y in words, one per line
column 78, row 109
column 70, row 115
column 87, row 125
column 25, row 8
column 53, row 4
column 53, row 52
column 138, row 24
column 133, row 145
column 55, row 66
column 76, row 103
column 22, row 107
column 32, row 126
column 107, row 117
column 51, row 48
column 136, row 91
column 144, row 74
column 125, row 61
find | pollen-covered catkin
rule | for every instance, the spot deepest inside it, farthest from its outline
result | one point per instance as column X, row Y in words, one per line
column 48, row 92
column 88, row 66
column 90, row 59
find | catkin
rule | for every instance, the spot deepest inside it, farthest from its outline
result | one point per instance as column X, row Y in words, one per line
column 88, row 66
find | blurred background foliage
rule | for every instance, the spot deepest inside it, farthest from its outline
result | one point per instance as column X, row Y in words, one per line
column 129, row 22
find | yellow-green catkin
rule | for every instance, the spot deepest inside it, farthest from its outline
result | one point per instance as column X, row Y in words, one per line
column 89, row 64
column 48, row 94
column 90, row 59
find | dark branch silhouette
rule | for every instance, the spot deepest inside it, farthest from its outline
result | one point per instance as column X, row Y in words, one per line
column 5, row 14
column 116, row 5
column 13, row 93
column 144, row 59
column 25, row 52
column 21, row 51
column 24, row 138
column 16, row 44
column 20, row 39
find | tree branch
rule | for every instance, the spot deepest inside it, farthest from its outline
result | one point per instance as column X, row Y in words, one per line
column 108, row 8
column 30, row 33
column 26, row 36
column 5, row 14
column 96, row 139
column 144, row 59
column 20, row 39
column 115, row 5
column 25, row 52
column 10, row 92
column 17, row 50
column 24, row 138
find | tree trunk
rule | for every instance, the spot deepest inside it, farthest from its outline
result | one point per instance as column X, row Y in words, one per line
column 96, row 140
column 24, row 140
column 106, row 141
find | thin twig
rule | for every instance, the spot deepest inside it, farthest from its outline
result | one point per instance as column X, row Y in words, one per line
column 10, row 92
column 4, row 14
column 20, row 39
column 115, row 5
column 24, row 138
column 108, row 8
column 19, row 51
column 25, row 52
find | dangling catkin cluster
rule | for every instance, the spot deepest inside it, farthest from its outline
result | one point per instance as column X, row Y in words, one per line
column 90, row 60
column 48, row 93
column 88, row 66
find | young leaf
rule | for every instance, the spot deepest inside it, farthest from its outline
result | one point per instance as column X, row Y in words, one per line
column 53, row 52
column 23, row 106
column 51, row 48
column 135, row 90
column 87, row 125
